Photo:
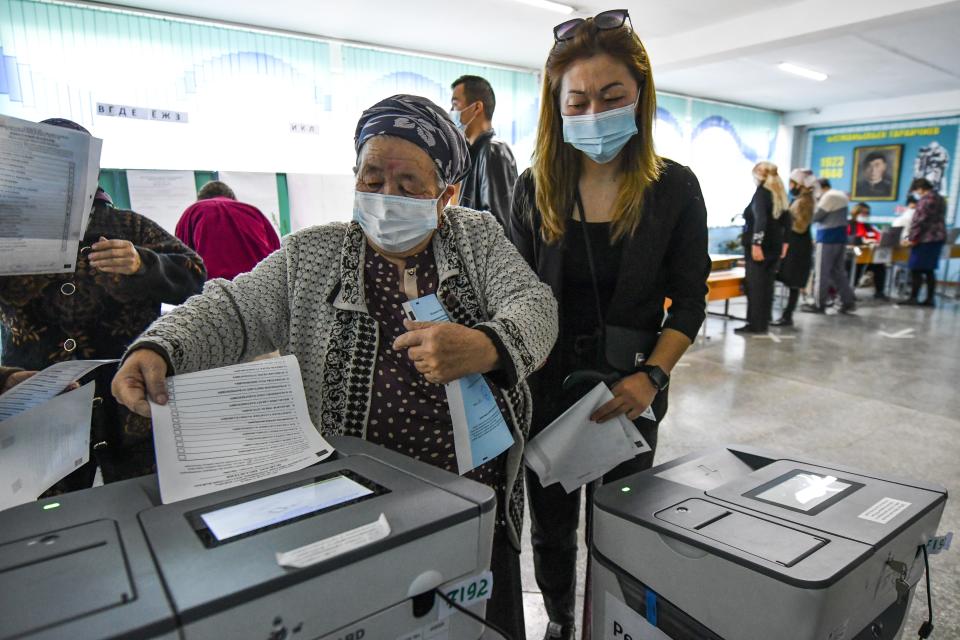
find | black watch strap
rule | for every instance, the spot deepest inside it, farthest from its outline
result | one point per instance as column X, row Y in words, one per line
column 657, row 376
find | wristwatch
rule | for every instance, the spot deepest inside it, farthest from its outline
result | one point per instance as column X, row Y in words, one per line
column 657, row 376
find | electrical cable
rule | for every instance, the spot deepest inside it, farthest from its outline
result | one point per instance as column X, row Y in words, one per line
column 471, row 614
column 927, row 627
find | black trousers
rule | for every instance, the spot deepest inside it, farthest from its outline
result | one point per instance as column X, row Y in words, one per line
column 761, row 277
column 917, row 279
column 792, row 301
column 505, row 607
column 555, row 514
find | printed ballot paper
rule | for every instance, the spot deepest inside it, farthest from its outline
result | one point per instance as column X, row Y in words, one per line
column 227, row 427
column 573, row 451
column 42, row 445
column 48, row 177
column 44, row 385
column 479, row 431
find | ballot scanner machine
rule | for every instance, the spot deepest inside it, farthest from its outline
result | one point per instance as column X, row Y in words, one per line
column 372, row 533
column 738, row 543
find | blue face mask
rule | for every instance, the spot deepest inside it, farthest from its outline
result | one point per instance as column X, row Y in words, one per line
column 601, row 136
column 455, row 116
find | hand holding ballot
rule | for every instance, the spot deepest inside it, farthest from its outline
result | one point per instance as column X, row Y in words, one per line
column 115, row 256
column 444, row 351
column 141, row 378
column 573, row 451
column 15, row 378
column 632, row 396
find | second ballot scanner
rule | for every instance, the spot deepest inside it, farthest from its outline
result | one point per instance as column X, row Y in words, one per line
column 364, row 540
column 738, row 543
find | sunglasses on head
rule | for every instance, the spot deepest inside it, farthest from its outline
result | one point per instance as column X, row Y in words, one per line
column 603, row 21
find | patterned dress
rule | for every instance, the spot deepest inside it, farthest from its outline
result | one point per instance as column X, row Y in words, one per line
column 407, row 413
column 90, row 314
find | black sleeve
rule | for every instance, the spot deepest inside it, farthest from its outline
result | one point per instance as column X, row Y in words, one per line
column 688, row 263
column 171, row 272
column 519, row 227
column 762, row 207
column 497, row 182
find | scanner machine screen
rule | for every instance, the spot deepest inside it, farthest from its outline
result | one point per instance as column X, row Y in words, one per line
column 804, row 491
column 275, row 508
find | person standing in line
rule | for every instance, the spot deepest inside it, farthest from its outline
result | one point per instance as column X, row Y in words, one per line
column 795, row 268
column 831, row 216
column 859, row 233
column 493, row 171
column 614, row 229
column 127, row 265
column 764, row 244
column 905, row 219
column 928, row 232
column 232, row 237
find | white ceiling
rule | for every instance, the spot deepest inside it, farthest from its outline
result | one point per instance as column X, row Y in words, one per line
column 721, row 49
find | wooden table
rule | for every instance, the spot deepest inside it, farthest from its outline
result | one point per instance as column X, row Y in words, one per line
column 724, row 261
column 900, row 255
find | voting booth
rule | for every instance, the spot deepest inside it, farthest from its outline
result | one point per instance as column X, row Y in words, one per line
column 741, row 544
column 351, row 548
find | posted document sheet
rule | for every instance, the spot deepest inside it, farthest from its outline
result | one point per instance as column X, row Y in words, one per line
column 227, row 427
column 573, row 451
column 41, row 446
column 48, row 177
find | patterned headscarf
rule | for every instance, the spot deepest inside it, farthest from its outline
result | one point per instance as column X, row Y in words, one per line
column 420, row 121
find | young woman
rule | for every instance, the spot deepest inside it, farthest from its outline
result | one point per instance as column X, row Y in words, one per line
column 764, row 244
column 795, row 268
column 614, row 229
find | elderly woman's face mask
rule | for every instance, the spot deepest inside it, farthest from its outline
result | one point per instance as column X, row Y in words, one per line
column 394, row 202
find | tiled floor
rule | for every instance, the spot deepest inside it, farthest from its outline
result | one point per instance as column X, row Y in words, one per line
column 835, row 389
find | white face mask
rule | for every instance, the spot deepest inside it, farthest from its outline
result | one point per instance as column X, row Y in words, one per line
column 395, row 223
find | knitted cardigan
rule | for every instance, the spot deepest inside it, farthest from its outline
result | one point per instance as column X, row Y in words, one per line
column 307, row 299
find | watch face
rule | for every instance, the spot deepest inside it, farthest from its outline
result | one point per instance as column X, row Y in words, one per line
column 659, row 378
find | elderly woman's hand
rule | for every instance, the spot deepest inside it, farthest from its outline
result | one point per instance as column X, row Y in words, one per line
column 444, row 351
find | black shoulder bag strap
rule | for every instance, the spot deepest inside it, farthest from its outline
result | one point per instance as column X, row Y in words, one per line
column 593, row 271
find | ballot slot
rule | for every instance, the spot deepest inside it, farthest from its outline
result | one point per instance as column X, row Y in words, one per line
column 243, row 517
column 758, row 537
column 34, row 570
column 714, row 469
column 804, row 491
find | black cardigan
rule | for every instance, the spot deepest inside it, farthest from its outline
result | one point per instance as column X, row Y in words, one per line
column 666, row 257
column 760, row 228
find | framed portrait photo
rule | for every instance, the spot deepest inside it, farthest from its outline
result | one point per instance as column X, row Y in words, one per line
column 876, row 172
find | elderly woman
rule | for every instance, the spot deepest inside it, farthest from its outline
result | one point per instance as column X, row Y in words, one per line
column 333, row 295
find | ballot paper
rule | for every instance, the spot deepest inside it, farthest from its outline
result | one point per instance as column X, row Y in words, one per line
column 479, row 431
column 44, row 385
column 41, row 446
column 573, row 451
column 48, row 177
column 227, row 427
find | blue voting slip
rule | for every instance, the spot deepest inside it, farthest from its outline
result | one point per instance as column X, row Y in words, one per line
column 479, row 431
